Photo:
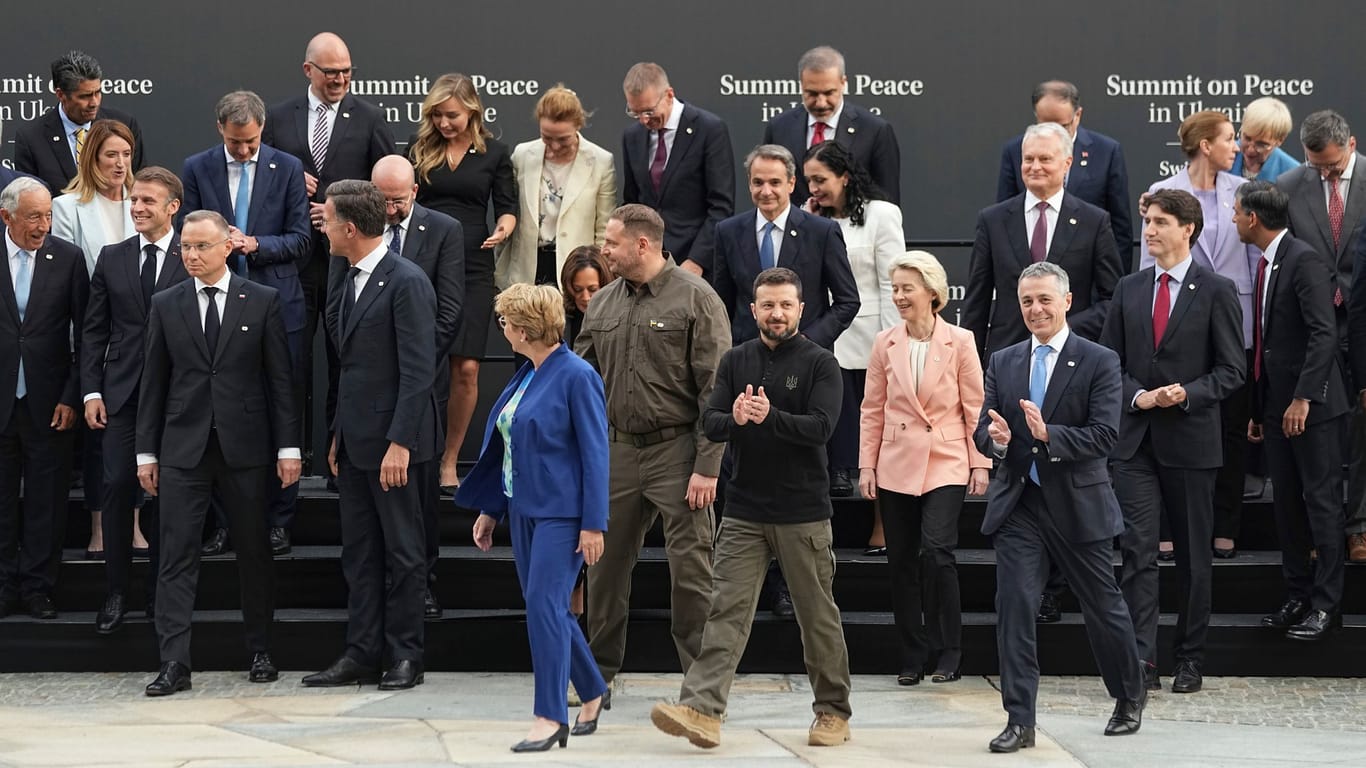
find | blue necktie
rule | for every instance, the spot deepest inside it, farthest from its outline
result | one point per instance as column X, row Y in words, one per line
column 766, row 260
column 396, row 241
column 1038, row 383
column 240, row 208
column 21, row 285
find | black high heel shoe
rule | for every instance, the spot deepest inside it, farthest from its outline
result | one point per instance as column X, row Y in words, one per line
column 561, row 735
column 590, row 727
column 946, row 677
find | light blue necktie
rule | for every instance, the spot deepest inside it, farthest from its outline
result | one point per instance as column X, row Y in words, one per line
column 240, row 209
column 766, row 260
column 1038, row 382
column 22, row 283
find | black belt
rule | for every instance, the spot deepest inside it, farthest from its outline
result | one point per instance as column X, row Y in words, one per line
column 642, row 439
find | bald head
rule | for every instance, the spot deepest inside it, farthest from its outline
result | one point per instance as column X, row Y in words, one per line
column 393, row 176
column 327, row 65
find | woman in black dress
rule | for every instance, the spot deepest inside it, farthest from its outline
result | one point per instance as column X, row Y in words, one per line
column 464, row 172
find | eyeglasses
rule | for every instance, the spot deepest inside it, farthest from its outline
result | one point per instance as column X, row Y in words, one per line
column 397, row 202
column 502, row 322
column 649, row 113
column 334, row 74
column 1331, row 169
column 200, row 247
column 1260, row 146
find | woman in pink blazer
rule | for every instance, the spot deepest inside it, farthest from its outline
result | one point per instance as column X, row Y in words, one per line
column 920, row 405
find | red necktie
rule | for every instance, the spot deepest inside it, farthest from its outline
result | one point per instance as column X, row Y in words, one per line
column 1162, row 307
column 818, row 135
column 1257, row 320
column 1336, row 211
column 657, row 165
column 1038, row 245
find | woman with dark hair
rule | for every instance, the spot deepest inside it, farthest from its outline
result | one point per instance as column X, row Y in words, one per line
column 464, row 172
column 841, row 189
column 584, row 272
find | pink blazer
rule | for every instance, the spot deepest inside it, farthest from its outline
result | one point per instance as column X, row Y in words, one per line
column 921, row 441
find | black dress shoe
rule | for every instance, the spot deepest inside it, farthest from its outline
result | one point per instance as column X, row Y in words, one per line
column 1127, row 717
column 782, row 604
column 1288, row 615
column 941, row 676
column 262, row 669
column 95, row 554
column 431, row 609
column 1187, row 678
column 1314, row 626
column 110, row 618
column 1151, row 680
column 142, row 552
column 1013, row 739
column 875, row 551
column 527, row 745
column 332, row 484
column 40, row 607
column 840, row 484
column 1049, row 612
column 217, row 543
column 402, row 676
column 279, row 541
column 1225, row 554
column 344, row 671
column 173, row 678
column 910, row 677
column 1166, row 555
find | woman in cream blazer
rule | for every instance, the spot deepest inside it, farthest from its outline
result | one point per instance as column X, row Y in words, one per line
column 567, row 187
column 920, row 405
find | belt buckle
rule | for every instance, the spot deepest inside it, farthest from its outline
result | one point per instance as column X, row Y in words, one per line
column 640, row 441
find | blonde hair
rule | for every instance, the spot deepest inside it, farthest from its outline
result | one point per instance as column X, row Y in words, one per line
column 536, row 310
column 88, row 180
column 1201, row 126
column 1269, row 118
column 561, row 105
column 429, row 150
column 931, row 274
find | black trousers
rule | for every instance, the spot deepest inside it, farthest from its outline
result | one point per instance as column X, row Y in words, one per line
column 843, row 445
column 185, row 495
column 122, row 494
column 1228, row 484
column 313, row 280
column 1021, row 543
column 1308, row 506
column 384, row 560
column 922, row 532
column 1145, row 488
column 31, row 534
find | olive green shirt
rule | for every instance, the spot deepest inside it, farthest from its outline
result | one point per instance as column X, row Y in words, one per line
column 657, row 347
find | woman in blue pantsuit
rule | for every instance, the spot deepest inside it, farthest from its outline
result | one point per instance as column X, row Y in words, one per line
column 541, row 467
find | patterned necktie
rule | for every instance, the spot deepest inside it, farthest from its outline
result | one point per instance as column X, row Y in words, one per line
column 818, row 134
column 318, row 147
column 766, row 260
column 1162, row 308
column 657, row 165
column 1038, row 244
column 22, row 283
column 396, row 239
column 1257, row 302
column 211, row 320
column 80, row 143
column 1038, row 384
column 1336, row 210
column 241, row 209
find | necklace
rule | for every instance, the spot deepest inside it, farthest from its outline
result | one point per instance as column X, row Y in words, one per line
column 927, row 337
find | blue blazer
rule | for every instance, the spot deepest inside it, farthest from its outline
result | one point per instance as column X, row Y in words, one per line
column 560, row 455
column 1081, row 408
column 1279, row 162
column 277, row 217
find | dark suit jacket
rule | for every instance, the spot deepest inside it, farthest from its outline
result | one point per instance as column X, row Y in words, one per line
column 697, row 191
column 58, row 289
column 242, row 389
column 813, row 247
column 41, row 147
column 113, row 338
column 435, row 242
column 360, row 137
column 1202, row 349
column 278, row 218
column 1309, row 223
column 868, row 137
column 387, row 353
column 1081, row 408
column 1299, row 338
column 1098, row 176
column 1082, row 245
column 559, row 443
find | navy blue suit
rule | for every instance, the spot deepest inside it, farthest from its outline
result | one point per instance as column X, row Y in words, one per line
column 813, row 247
column 1069, row 518
column 1098, row 175
column 559, row 487
column 868, row 137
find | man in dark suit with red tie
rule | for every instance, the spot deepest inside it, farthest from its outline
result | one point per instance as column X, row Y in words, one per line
column 127, row 275
column 1298, row 407
column 1177, row 327
column 677, row 159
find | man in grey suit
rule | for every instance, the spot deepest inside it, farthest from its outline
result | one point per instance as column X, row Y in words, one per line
column 1327, row 210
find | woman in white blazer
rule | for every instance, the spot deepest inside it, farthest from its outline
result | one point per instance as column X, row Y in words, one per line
column 94, row 211
column 842, row 189
column 567, row 187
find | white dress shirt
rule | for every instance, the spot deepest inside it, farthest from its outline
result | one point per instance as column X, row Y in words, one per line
column 367, row 266
column 776, row 236
column 831, row 123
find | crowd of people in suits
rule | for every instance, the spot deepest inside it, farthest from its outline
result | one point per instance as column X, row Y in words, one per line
column 680, row 361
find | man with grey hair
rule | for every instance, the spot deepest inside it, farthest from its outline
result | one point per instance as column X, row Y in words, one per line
column 1327, row 210
column 1051, row 418
column 49, row 147
column 259, row 190
column 1098, row 174
column 825, row 115
column 677, row 159
column 42, row 297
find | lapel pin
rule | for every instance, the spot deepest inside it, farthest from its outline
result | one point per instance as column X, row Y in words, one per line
column 381, row 283
column 1191, row 286
column 346, row 115
column 1085, row 154
column 1071, row 363
column 241, row 295
column 1275, row 267
column 689, row 131
column 936, row 359
column 1073, row 222
column 793, row 233
column 244, row 327
column 272, row 165
column 1083, row 163
column 48, row 256
column 851, row 129
column 56, row 138
column 421, row 227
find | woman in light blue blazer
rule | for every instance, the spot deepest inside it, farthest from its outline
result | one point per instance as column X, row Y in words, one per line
column 92, row 212
column 1266, row 124
column 541, row 469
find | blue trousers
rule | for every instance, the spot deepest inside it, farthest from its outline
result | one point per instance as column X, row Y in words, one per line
column 547, row 566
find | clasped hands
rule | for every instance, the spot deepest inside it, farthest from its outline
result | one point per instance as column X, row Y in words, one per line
column 999, row 431
column 1162, row 397
column 750, row 406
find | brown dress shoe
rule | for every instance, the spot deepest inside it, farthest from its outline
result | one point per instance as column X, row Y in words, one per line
column 1356, row 547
